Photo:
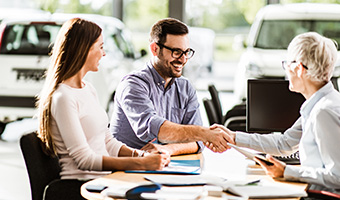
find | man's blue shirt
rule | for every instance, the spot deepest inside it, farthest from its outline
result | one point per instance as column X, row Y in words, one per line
column 142, row 104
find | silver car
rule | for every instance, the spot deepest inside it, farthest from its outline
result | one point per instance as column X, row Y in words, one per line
column 270, row 34
column 24, row 47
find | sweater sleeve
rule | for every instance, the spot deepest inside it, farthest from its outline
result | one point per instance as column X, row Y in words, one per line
column 113, row 146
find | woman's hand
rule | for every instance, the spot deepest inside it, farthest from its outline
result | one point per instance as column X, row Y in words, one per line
column 230, row 135
column 156, row 160
column 276, row 170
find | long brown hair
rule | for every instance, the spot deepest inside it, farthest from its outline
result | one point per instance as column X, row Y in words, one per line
column 69, row 54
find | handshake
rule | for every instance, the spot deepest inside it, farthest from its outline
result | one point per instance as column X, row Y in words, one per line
column 218, row 137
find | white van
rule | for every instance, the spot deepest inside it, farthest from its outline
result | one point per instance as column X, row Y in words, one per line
column 270, row 34
column 24, row 47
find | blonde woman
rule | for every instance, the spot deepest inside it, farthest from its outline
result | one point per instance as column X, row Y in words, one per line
column 72, row 123
column 316, row 134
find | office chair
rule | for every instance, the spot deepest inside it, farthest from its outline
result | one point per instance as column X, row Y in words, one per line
column 235, row 118
column 210, row 110
column 236, row 123
column 43, row 172
column 317, row 192
column 216, row 103
column 322, row 195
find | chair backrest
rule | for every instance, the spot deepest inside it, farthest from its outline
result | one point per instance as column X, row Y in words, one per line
column 235, row 118
column 210, row 110
column 216, row 102
column 236, row 123
column 41, row 168
column 322, row 194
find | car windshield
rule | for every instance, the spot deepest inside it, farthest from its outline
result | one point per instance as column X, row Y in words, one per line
column 31, row 39
column 277, row 34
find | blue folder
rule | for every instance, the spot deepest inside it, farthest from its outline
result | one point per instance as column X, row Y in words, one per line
column 184, row 167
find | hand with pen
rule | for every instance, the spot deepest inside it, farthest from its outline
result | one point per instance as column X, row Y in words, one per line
column 156, row 160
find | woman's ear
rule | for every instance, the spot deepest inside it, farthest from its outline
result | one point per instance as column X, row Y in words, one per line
column 154, row 48
column 300, row 70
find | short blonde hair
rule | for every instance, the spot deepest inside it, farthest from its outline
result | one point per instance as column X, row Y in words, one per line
column 316, row 52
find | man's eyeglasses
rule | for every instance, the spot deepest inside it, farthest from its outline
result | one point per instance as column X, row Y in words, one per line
column 177, row 53
column 286, row 64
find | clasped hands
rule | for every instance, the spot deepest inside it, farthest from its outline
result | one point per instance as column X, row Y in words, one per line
column 218, row 138
column 223, row 135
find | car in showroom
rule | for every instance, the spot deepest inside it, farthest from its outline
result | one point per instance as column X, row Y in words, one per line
column 202, row 41
column 25, row 43
column 271, row 32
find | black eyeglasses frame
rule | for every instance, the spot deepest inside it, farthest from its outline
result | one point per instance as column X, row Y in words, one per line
column 186, row 52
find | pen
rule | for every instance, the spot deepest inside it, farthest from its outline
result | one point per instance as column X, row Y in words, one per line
column 151, row 141
column 250, row 183
column 253, row 182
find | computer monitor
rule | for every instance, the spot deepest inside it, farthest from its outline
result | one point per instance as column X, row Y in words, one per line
column 271, row 106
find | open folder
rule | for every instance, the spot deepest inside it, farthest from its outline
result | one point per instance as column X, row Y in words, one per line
column 264, row 190
column 184, row 167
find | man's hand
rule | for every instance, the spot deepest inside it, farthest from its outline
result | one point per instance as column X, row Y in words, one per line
column 152, row 147
column 217, row 139
column 276, row 170
column 228, row 136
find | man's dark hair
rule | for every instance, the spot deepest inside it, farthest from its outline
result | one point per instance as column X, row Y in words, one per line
column 166, row 26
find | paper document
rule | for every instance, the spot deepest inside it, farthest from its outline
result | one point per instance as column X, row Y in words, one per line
column 250, row 154
column 176, row 167
column 264, row 189
column 185, row 180
column 178, row 193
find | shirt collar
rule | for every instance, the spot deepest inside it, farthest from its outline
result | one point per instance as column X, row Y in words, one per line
column 157, row 78
column 308, row 105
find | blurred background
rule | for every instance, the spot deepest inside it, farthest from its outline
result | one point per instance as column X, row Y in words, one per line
column 218, row 31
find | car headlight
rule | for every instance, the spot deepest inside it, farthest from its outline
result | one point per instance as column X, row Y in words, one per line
column 253, row 70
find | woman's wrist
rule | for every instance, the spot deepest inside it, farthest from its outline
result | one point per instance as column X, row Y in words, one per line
column 138, row 153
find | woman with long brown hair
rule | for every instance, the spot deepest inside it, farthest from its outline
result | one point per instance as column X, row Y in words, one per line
column 72, row 123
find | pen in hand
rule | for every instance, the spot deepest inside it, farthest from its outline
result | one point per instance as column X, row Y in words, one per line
column 151, row 141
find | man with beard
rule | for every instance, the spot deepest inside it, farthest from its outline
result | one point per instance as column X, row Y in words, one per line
column 156, row 108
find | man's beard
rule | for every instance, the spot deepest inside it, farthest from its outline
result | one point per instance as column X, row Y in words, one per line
column 165, row 69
